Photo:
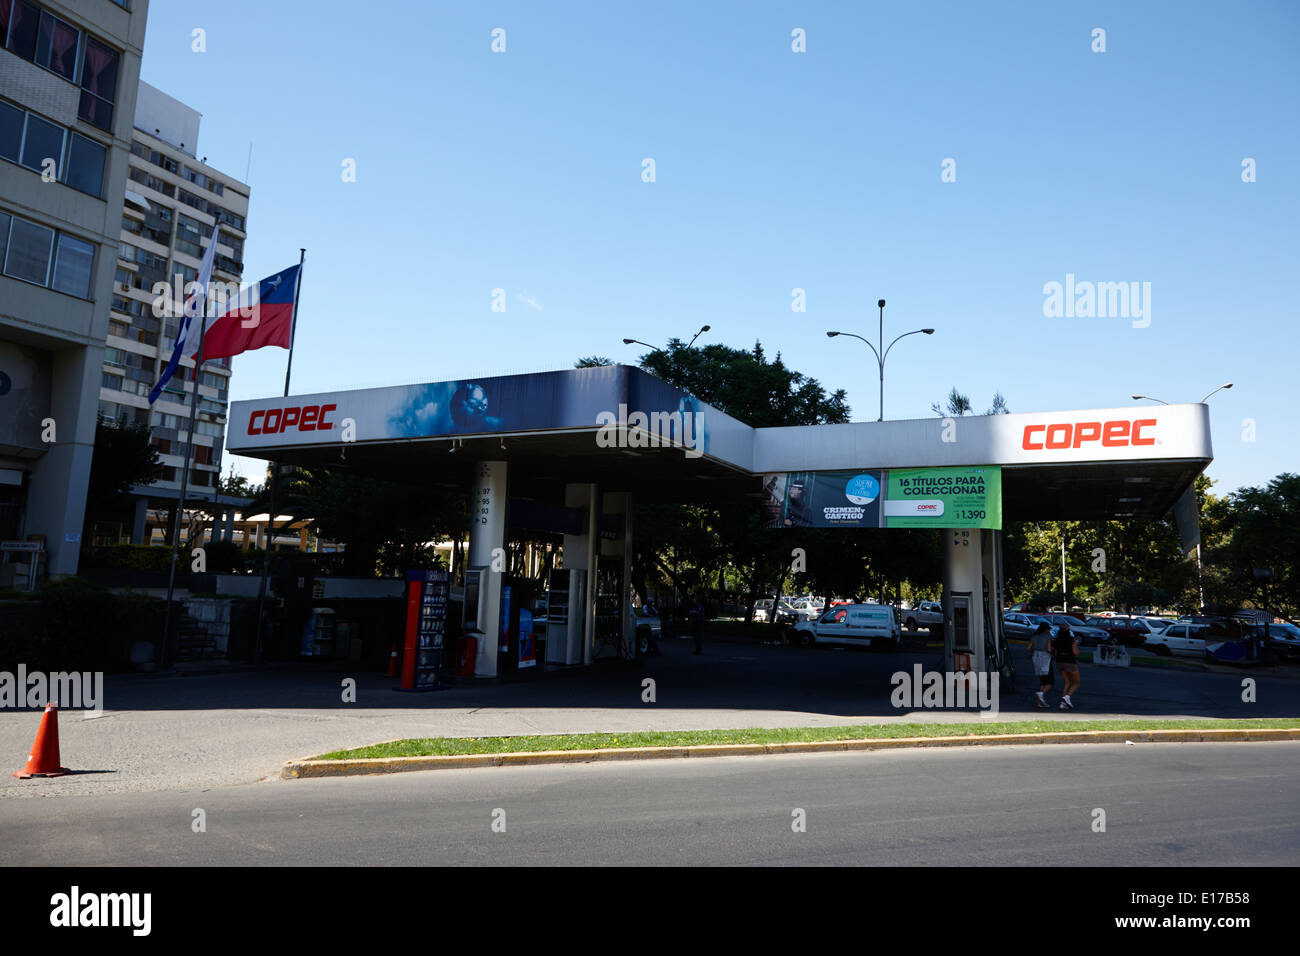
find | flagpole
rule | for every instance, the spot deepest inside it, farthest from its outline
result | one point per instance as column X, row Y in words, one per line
column 185, row 473
column 275, row 470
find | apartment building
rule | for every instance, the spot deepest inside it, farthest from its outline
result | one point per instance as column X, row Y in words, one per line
column 69, row 72
column 173, row 198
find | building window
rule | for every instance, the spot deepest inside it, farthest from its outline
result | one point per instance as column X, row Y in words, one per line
column 30, row 247
column 38, row 254
column 56, row 46
column 98, row 84
column 227, row 218
column 73, row 266
column 152, row 182
column 44, row 141
column 4, row 231
column 24, row 29
column 11, row 130
column 85, row 165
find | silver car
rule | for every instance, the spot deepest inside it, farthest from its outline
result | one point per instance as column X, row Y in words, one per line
column 1083, row 633
column 1018, row 625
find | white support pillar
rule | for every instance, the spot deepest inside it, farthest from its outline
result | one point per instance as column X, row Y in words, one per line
column 487, row 532
column 620, row 503
column 580, row 557
column 963, row 596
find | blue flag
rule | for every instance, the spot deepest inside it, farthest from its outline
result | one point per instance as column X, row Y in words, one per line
column 195, row 305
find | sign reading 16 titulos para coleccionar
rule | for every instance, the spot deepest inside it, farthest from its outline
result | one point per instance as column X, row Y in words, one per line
column 966, row 497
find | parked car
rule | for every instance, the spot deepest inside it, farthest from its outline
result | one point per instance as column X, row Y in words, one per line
column 649, row 628
column 1083, row 633
column 852, row 625
column 1158, row 623
column 1182, row 639
column 1024, row 607
column 1129, row 631
column 927, row 614
column 808, row 609
column 1019, row 625
column 784, row 614
column 1283, row 637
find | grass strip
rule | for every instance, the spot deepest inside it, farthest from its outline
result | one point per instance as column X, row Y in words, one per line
column 453, row 746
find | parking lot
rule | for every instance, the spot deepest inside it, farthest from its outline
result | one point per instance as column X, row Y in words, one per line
column 187, row 732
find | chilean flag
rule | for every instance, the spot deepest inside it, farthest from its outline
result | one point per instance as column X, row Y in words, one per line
column 263, row 316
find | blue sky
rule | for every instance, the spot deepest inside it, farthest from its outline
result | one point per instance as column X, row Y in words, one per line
column 774, row 170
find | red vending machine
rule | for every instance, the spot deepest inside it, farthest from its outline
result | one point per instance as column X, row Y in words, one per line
column 426, row 628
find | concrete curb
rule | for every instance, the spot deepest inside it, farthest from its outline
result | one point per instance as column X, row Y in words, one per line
column 297, row 769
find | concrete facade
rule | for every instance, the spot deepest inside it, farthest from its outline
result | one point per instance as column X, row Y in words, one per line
column 63, row 172
column 172, row 201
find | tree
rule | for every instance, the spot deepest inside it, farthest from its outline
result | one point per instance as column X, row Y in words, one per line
column 959, row 404
column 237, row 486
column 747, row 386
column 386, row 526
column 691, row 547
column 1262, row 530
column 124, row 457
column 593, row 361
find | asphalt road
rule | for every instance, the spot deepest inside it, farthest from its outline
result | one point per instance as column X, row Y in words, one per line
column 1165, row 804
column 186, row 733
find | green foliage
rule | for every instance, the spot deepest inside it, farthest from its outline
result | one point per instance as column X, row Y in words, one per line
column 127, row 557
column 81, row 626
column 959, row 404
column 123, row 458
column 747, row 386
column 385, row 526
column 693, row 547
column 226, row 557
column 593, row 361
column 1261, row 533
column 237, row 486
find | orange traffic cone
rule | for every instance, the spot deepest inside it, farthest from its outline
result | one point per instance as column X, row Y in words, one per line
column 392, row 662
column 43, row 761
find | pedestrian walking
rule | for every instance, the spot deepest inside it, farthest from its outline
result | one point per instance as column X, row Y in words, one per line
column 1066, row 652
column 697, row 625
column 1041, row 649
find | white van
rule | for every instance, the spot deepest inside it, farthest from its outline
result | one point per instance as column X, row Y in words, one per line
column 861, row 625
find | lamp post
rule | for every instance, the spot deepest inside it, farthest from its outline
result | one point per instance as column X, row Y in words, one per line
column 881, row 353
column 1137, row 398
column 671, row 356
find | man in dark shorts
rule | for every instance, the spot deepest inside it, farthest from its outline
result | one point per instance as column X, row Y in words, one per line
column 1067, row 662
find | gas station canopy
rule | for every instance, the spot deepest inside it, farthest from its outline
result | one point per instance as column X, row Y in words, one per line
column 625, row 430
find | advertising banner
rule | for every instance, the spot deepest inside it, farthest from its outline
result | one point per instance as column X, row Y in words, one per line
column 944, row 497
column 958, row 497
column 823, row 499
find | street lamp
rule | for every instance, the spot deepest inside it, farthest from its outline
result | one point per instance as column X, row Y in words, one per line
column 703, row 329
column 1201, row 402
column 655, row 348
column 881, row 353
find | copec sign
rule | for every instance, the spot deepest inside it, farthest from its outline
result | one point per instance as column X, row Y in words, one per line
column 1112, row 434
column 305, row 418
